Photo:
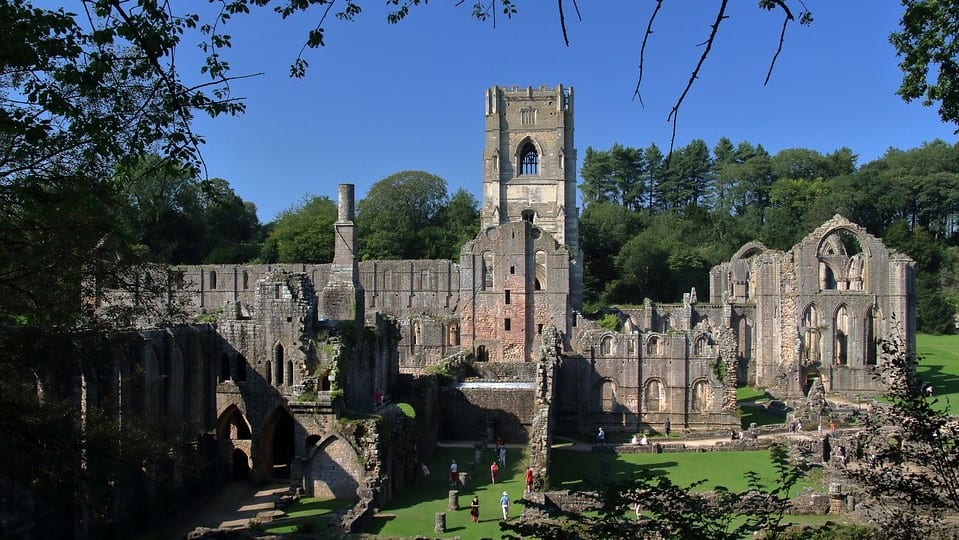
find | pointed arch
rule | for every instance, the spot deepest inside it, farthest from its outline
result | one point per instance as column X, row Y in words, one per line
column 277, row 443
column 540, row 273
column 232, row 424
column 528, row 157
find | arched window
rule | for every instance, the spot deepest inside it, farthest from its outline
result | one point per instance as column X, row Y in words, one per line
column 701, row 394
column 278, row 363
column 609, row 395
column 841, row 331
column 453, row 334
column 701, row 346
column 606, row 346
column 654, row 346
column 289, row 373
column 655, row 396
column 872, row 335
column 529, row 159
column 212, row 279
column 487, row 270
column 539, row 283
column 667, row 323
column 246, row 279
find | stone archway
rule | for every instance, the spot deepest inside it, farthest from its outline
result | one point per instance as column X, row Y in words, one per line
column 334, row 469
column 276, row 448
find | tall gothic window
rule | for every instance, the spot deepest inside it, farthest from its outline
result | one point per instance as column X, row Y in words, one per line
column 529, row 159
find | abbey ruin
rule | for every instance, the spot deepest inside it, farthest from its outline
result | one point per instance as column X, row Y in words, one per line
column 296, row 349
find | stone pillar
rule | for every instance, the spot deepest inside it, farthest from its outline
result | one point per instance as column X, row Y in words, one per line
column 440, row 524
column 454, row 500
column 836, row 498
column 464, row 477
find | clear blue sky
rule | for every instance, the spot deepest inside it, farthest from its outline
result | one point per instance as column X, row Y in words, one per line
column 383, row 98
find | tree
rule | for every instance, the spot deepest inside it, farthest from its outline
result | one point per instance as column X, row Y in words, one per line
column 604, row 229
column 911, row 443
column 616, row 175
column 457, row 223
column 302, row 233
column 398, row 212
column 926, row 42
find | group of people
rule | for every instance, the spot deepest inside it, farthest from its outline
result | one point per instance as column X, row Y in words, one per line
column 503, row 503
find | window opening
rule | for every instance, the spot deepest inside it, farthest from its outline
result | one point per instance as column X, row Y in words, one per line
column 507, row 296
column 506, row 324
column 529, row 159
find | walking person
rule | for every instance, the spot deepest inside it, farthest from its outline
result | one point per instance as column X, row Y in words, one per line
column 493, row 472
column 504, row 503
column 529, row 479
column 666, row 427
column 502, row 456
column 474, row 509
column 601, row 437
column 454, row 476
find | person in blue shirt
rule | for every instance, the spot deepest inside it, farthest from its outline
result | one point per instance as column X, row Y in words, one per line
column 504, row 502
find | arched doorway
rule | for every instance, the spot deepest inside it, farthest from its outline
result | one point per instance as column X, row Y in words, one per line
column 277, row 444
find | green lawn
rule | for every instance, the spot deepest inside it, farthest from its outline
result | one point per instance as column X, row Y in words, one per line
column 939, row 365
column 726, row 469
column 412, row 512
column 307, row 515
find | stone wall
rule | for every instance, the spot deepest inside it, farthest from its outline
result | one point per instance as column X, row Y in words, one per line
column 468, row 409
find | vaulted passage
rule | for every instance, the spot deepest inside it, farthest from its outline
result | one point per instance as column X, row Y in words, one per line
column 277, row 444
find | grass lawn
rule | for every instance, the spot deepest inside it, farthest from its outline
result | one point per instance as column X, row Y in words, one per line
column 939, row 365
column 726, row 469
column 308, row 513
column 412, row 512
column 749, row 401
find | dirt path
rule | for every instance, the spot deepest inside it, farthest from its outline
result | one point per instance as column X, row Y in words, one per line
column 233, row 506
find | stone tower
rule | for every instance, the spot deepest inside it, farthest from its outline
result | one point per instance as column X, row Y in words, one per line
column 529, row 167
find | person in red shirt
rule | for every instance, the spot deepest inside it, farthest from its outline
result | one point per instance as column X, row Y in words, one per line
column 529, row 479
column 494, row 472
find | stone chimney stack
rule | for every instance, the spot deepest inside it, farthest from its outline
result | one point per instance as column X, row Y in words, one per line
column 343, row 296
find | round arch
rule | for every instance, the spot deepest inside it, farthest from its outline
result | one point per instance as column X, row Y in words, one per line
column 276, row 448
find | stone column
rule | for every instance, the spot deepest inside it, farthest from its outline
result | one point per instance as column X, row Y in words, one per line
column 440, row 524
column 454, row 500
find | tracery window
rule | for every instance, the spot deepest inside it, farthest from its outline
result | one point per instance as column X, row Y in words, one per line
column 529, row 159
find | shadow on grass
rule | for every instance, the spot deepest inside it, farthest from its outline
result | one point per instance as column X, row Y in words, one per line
column 309, row 516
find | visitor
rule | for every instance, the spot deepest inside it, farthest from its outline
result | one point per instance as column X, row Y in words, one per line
column 502, row 456
column 732, row 434
column 644, row 441
column 454, row 476
column 832, row 428
column 927, row 389
column 426, row 472
column 840, row 455
column 504, row 503
column 601, row 437
column 634, row 440
column 474, row 509
column 493, row 472
column 378, row 397
column 666, row 427
column 529, row 479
